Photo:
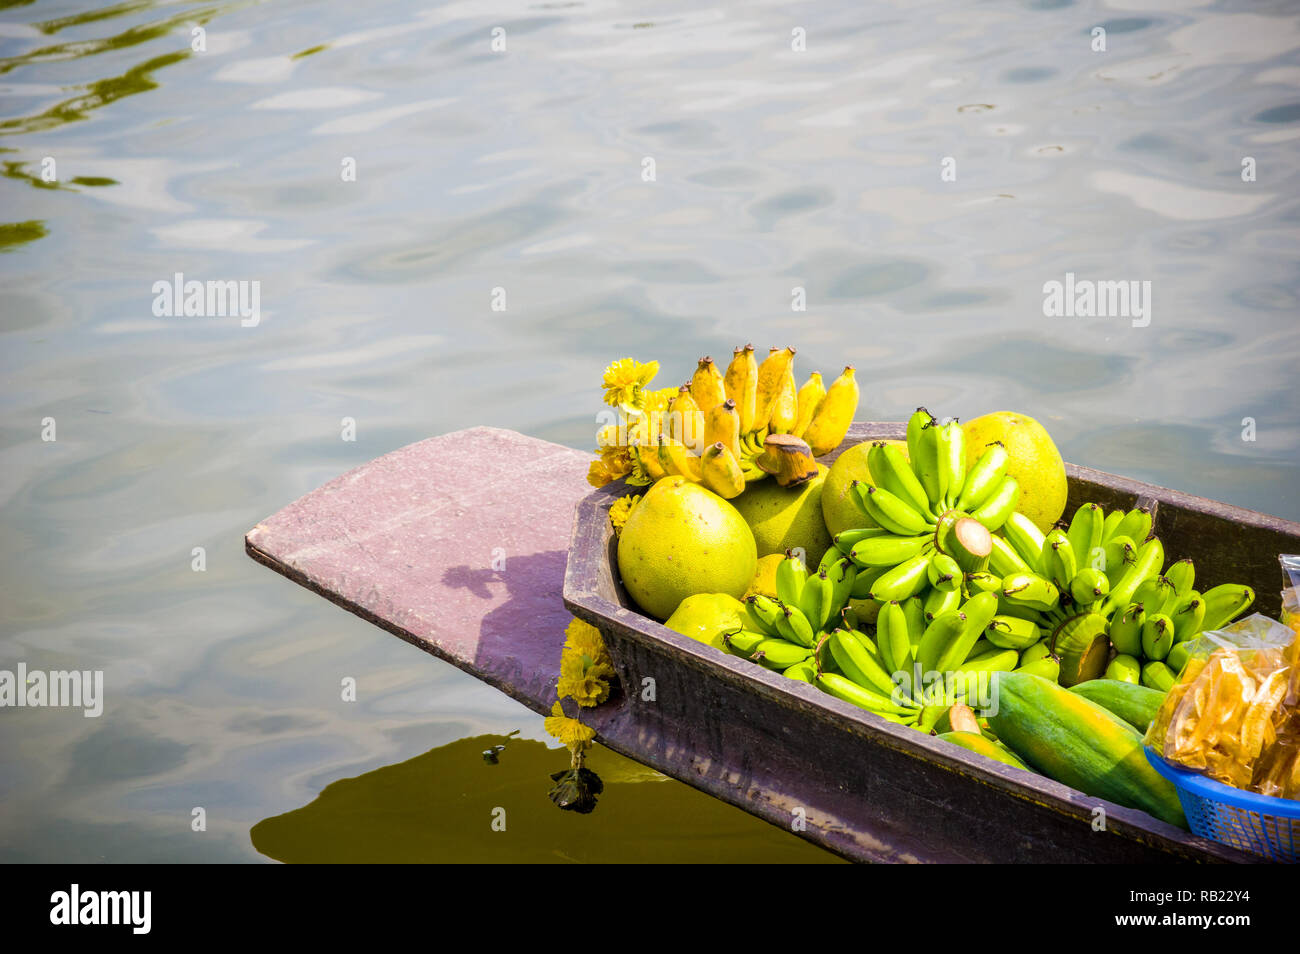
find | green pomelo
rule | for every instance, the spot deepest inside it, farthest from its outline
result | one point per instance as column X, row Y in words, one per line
column 682, row 539
column 710, row 616
column 783, row 518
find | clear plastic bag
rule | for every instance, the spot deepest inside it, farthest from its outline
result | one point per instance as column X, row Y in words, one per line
column 1230, row 714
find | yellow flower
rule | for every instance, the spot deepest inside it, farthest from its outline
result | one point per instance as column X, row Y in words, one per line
column 584, row 639
column 570, row 732
column 625, row 380
column 621, row 510
column 585, row 682
column 585, row 667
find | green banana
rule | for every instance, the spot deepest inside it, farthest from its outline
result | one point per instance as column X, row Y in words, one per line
column 1157, row 636
column 795, row 627
column 858, row 663
column 905, row 580
column 1157, row 675
column 983, row 582
column 1178, row 656
column 891, row 512
column 1089, row 586
column 1119, row 554
column 844, row 576
column 984, row 477
column 1048, row 667
column 943, row 631
column 978, row 612
column 938, row 601
column 1059, row 562
column 943, row 572
column 1126, row 630
column 1004, row 560
column 1188, row 616
column 1025, row 538
column 1182, row 575
column 805, row 671
column 790, row 577
column 1030, row 591
column 779, row 654
column 994, row 511
column 765, row 611
column 888, row 551
column 891, row 471
column 1085, row 533
column 841, row 687
column 1125, row 668
column 914, row 613
column 1136, row 525
column 1109, row 524
column 1009, row 632
column 743, row 643
column 952, row 462
column 923, row 451
column 1224, row 603
column 816, row 600
column 892, row 638
column 846, row 540
column 1150, row 558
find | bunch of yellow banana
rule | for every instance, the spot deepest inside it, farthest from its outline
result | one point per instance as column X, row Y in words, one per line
column 725, row 430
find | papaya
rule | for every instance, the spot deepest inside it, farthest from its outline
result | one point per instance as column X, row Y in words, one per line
column 1078, row 743
column 1135, row 704
column 975, row 742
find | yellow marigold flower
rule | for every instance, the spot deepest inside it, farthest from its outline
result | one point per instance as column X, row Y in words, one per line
column 621, row 509
column 585, row 683
column 585, row 640
column 570, row 732
column 625, row 380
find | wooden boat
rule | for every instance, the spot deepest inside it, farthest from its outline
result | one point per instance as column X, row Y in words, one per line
column 461, row 546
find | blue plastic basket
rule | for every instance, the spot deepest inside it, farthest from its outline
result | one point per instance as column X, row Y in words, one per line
column 1261, row 824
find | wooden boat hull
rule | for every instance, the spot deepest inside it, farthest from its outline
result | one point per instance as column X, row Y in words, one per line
column 863, row 787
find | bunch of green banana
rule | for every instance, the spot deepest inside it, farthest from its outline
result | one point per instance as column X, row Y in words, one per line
column 725, row 430
column 807, row 605
column 1105, row 570
column 927, row 519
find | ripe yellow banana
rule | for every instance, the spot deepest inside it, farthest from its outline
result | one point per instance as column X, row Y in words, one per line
column 707, row 386
column 677, row 460
column 785, row 411
column 810, row 398
column 720, row 471
column 686, row 421
column 723, row 426
column 741, row 386
column 771, row 374
column 833, row 417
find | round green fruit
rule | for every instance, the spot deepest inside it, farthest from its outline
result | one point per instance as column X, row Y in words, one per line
column 682, row 539
column 1035, row 462
column 787, row 518
column 710, row 616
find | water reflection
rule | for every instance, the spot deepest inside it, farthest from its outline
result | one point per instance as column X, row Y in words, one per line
column 412, row 813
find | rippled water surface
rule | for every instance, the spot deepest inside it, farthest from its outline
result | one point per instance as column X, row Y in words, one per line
column 523, row 170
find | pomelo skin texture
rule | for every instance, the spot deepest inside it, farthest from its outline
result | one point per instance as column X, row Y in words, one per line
column 710, row 616
column 1035, row 462
column 682, row 539
column 783, row 518
column 839, row 510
